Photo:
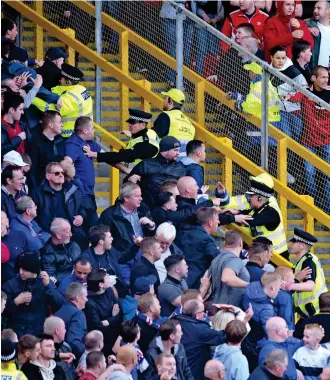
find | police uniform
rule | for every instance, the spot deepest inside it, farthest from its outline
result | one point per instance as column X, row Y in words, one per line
column 267, row 220
column 307, row 303
column 143, row 144
column 174, row 122
column 9, row 370
column 76, row 100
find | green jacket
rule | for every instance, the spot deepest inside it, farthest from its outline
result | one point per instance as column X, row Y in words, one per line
column 317, row 42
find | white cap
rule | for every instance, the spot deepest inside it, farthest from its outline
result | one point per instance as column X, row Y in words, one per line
column 14, row 158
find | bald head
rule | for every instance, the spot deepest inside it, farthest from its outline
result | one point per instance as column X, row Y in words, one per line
column 188, row 187
column 51, row 324
column 127, row 356
column 94, row 340
column 213, row 369
column 277, row 329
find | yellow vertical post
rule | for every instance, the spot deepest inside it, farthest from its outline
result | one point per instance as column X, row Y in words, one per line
column 39, row 34
column 308, row 219
column 124, row 91
column 145, row 106
column 227, row 168
column 282, row 169
column 114, row 183
column 200, row 104
column 69, row 49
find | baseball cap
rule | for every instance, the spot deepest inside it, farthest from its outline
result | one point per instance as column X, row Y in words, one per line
column 254, row 67
column 142, row 285
column 175, row 94
column 56, row 53
column 167, row 143
column 14, row 158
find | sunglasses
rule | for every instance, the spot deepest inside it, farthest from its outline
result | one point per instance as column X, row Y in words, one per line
column 57, row 174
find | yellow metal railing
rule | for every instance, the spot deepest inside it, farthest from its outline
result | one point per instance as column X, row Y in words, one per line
column 222, row 145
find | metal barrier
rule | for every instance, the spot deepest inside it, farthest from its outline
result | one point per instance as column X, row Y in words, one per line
column 220, row 145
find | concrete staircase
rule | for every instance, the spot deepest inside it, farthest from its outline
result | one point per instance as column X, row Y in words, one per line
column 111, row 122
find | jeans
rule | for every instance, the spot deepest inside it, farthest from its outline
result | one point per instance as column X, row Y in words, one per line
column 323, row 152
column 291, row 125
column 169, row 26
column 206, row 43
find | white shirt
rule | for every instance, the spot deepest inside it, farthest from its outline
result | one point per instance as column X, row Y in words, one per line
column 307, row 358
column 325, row 45
column 161, row 267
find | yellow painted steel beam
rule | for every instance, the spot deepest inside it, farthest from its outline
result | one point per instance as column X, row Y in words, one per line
column 217, row 143
column 39, row 33
column 282, row 170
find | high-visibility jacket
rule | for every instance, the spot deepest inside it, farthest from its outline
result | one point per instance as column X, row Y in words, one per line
column 277, row 236
column 153, row 140
column 311, row 299
column 252, row 103
column 180, row 128
column 10, row 372
column 76, row 101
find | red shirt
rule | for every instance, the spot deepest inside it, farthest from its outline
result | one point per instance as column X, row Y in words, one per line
column 237, row 18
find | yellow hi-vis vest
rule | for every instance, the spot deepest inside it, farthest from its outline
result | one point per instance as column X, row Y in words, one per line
column 10, row 372
column 76, row 101
column 252, row 103
column 180, row 128
column 153, row 140
column 277, row 236
column 301, row 299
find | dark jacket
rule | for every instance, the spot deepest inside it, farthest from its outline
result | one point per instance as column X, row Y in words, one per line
column 153, row 172
column 110, row 263
column 42, row 152
column 199, row 249
column 8, row 202
column 50, row 73
column 29, row 319
column 32, row 371
column 322, row 319
column 58, row 260
column 197, row 339
column 6, row 144
column 182, row 215
column 76, row 327
column 290, row 346
column 148, row 333
column 263, row 309
column 121, row 229
column 16, row 243
column 68, row 368
column 195, row 170
column 144, row 268
column 261, row 373
column 99, row 308
column 285, row 308
column 156, row 348
column 255, row 271
column 44, row 198
column 35, row 240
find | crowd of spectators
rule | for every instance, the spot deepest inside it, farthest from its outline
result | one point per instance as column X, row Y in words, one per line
column 144, row 291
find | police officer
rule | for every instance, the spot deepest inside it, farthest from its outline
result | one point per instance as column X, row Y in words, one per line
column 262, row 206
column 310, row 281
column 172, row 122
column 142, row 144
column 74, row 101
column 8, row 362
column 51, row 69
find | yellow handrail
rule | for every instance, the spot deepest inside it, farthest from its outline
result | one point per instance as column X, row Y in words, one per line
column 220, row 144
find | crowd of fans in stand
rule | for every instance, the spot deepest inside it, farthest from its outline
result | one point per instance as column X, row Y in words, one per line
column 144, row 291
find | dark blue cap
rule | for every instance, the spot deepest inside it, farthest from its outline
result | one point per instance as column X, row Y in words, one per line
column 71, row 72
column 56, row 53
column 138, row 116
column 142, row 285
column 301, row 236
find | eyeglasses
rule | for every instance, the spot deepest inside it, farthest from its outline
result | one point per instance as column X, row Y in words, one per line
column 57, row 174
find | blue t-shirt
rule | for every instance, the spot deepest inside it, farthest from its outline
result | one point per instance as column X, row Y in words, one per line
column 83, row 164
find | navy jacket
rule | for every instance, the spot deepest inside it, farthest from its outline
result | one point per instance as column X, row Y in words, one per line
column 182, row 215
column 8, row 145
column 195, row 170
column 44, row 198
column 199, row 249
column 198, row 338
column 261, row 373
column 35, row 241
column 285, row 308
column 76, row 327
column 42, row 152
column 255, row 271
column 29, row 319
column 8, row 202
column 121, row 229
column 263, row 309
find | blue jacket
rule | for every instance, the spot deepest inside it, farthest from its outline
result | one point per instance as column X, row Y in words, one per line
column 8, row 202
column 198, row 338
column 128, row 307
column 35, row 241
column 290, row 346
column 195, row 170
column 44, row 198
column 263, row 309
column 199, row 249
column 29, row 319
column 255, row 271
column 67, row 281
column 76, row 327
column 83, row 164
column 285, row 309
